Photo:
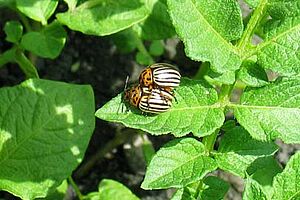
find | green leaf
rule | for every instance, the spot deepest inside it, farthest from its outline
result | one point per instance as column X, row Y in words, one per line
column 281, row 51
column 205, row 28
column 223, row 78
column 37, row 10
column 177, row 164
column 113, row 190
column 184, row 194
column 13, row 31
column 263, row 171
column 43, row 134
column 7, row 3
column 283, row 9
column 252, row 74
column 253, row 191
column 71, row 4
column 271, row 111
column 143, row 59
column 59, row 193
column 125, row 41
column 287, row 184
column 104, row 18
column 156, row 48
column 238, row 150
column 158, row 25
column 47, row 43
column 215, row 188
column 196, row 111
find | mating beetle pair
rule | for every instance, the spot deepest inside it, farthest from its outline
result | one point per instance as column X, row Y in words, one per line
column 154, row 93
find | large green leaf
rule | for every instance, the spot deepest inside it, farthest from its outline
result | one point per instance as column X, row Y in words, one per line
column 113, row 190
column 205, row 27
column 158, row 25
column 238, row 150
column 272, row 111
column 47, row 43
column 287, row 184
column 36, row 9
column 281, row 50
column 196, row 110
column 105, row 17
column 43, row 134
column 177, row 164
column 253, row 191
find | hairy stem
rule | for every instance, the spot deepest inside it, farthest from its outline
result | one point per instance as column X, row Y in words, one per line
column 257, row 16
column 202, row 71
column 209, row 141
column 26, row 66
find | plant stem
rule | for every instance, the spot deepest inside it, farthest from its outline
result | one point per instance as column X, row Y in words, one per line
column 202, row 71
column 198, row 189
column 25, row 22
column 26, row 66
column 75, row 187
column 224, row 95
column 141, row 47
column 209, row 141
column 257, row 16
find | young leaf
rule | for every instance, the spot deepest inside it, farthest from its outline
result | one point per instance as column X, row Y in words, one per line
column 125, row 41
column 206, row 27
column 37, row 10
column 13, row 31
column 252, row 74
column 113, row 190
column 158, row 25
column 156, row 48
column 47, row 43
column 287, row 184
column 215, row 189
column 263, row 170
column 272, row 111
column 196, row 110
column 253, row 191
column 43, row 135
column 238, row 150
column 177, row 164
column 105, row 18
column 280, row 52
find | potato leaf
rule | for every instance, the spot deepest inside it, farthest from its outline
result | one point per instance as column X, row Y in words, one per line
column 37, row 10
column 238, row 150
column 47, row 43
column 43, row 134
column 205, row 27
column 287, row 184
column 196, row 111
column 104, row 18
column 177, row 164
column 271, row 111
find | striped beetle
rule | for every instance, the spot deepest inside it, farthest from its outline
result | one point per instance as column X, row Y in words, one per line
column 154, row 101
column 160, row 75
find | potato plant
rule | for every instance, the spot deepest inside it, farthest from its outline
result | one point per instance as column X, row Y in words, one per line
column 44, row 132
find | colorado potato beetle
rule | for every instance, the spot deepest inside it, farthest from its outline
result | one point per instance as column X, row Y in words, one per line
column 154, row 101
column 160, row 75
